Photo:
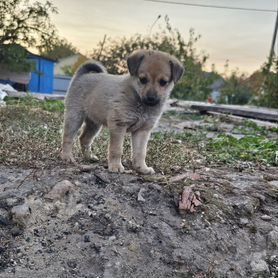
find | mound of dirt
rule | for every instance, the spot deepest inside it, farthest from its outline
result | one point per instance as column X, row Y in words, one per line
column 61, row 222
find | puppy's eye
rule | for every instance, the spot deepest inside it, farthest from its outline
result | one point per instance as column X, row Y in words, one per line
column 162, row 82
column 143, row 80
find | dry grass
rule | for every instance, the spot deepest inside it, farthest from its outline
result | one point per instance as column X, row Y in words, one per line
column 31, row 137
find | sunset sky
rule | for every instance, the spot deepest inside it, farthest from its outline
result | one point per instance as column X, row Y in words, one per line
column 242, row 37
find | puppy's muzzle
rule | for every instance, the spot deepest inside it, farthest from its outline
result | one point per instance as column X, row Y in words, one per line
column 151, row 99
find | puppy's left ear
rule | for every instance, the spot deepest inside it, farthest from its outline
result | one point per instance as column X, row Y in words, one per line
column 134, row 61
column 177, row 70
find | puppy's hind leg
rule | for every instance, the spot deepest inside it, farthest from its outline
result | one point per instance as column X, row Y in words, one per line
column 89, row 132
column 72, row 123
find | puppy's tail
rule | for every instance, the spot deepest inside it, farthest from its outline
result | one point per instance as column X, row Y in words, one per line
column 90, row 66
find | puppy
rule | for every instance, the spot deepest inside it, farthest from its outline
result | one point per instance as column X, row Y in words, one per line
column 124, row 103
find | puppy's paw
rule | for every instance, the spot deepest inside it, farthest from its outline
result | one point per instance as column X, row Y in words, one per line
column 67, row 157
column 145, row 170
column 116, row 168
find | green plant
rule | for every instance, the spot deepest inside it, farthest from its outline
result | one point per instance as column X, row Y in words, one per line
column 235, row 89
column 194, row 84
column 255, row 148
column 267, row 94
column 30, row 101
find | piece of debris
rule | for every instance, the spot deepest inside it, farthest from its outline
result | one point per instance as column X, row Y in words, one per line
column 266, row 217
column 181, row 177
column 132, row 226
column 243, row 221
column 87, row 238
column 273, row 237
column 274, row 183
column 21, row 213
column 140, row 197
column 258, row 265
column 60, row 190
column 189, row 200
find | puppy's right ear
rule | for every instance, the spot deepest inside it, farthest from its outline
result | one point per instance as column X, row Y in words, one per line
column 134, row 61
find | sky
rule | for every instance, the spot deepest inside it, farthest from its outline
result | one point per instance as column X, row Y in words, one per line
column 242, row 37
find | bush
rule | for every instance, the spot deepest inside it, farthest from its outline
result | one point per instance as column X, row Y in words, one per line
column 267, row 95
column 236, row 90
column 194, row 84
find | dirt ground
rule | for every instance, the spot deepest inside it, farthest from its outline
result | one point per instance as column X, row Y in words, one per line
column 63, row 222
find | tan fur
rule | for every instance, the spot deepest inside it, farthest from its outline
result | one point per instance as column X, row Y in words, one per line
column 120, row 102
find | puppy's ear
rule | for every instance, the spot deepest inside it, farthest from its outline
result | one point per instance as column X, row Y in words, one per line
column 176, row 70
column 134, row 61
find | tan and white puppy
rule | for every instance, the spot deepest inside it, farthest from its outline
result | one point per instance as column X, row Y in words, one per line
column 124, row 103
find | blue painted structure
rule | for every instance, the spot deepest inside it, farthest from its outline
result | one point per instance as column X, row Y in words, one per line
column 61, row 84
column 43, row 76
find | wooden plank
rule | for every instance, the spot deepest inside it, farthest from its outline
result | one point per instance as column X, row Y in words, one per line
column 244, row 111
column 240, row 120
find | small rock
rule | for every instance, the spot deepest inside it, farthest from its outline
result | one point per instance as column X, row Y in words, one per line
column 246, row 206
column 243, row 221
column 273, row 237
column 3, row 179
column 60, row 190
column 259, row 266
column 274, row 183
column 21, row 213
column 258, row 263
column 16, row 231
column 101, row 177
column 112, row 238
column 4, row 217
column 72, row 264
column 131, row 189
column 87, row 238
column 266, row 217
column 14, row 201
column 259, row 196
column 132, row 226
column 140, row 197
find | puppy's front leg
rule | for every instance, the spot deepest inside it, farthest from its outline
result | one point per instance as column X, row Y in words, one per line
column 116, row 149
column 139, row 148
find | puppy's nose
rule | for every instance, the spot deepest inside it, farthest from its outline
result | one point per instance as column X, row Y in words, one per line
column 151, row 99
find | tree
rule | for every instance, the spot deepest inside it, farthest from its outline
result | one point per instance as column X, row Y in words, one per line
column 267, row 94
column 27, row 24
column 194, row 85
column 61, row 48
column 236, row 89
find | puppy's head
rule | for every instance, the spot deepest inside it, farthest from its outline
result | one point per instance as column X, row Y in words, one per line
column 154, row 74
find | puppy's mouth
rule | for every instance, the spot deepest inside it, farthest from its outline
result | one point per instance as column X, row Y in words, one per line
column 150, row 100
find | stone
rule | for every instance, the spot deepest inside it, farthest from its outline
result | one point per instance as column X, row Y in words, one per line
column 60, row 190
column 258, row 265
column 133, row 227
column 266, row 217
column 21, row 213
column 4, row 217
column 87, row 238
column 274, row 183
column 243, row 221
column 140, row 197
column 14, row 201
column 246, row 206
column 273, row 237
